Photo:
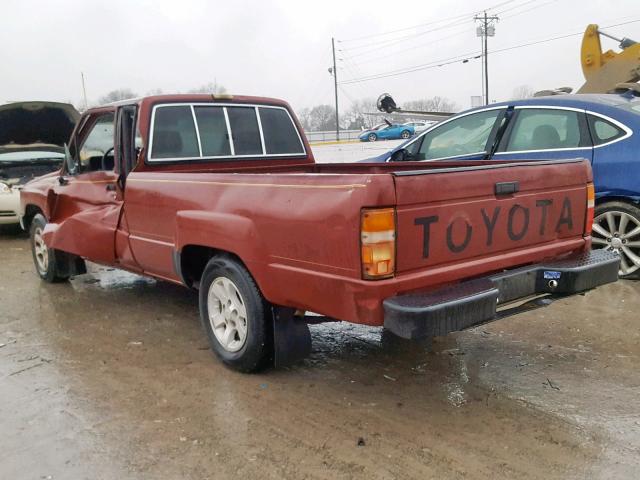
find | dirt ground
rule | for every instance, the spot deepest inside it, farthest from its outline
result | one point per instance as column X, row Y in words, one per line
column 110, row 377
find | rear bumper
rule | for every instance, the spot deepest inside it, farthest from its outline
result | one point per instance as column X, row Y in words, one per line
column 465, row 304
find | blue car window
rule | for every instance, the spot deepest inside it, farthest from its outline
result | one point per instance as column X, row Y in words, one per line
column 461, row 136
column 543, row 129
column 603, row 131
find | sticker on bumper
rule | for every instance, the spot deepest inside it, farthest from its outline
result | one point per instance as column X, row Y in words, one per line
column 551, row 275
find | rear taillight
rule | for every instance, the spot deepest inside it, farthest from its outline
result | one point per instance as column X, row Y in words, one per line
column 591, row 201
column 378, row 243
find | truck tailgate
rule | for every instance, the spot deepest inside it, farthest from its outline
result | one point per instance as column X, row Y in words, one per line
column 455, row 214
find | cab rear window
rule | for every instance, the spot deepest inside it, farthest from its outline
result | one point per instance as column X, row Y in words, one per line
column 206, row 131
column 280, row 135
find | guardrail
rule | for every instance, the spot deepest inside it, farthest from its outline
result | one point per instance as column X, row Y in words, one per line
column 330, row 136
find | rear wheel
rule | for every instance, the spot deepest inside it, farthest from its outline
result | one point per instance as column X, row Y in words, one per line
column 46, row 260
column 616, row 227
column 405, row 134
column 372, row 137
column 235, row 316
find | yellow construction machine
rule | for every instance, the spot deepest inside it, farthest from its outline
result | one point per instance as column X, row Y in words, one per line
column 606, row 71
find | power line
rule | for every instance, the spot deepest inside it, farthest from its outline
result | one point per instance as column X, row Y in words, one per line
column 409, row 49
column 447, row 61
column 515, row 7
column 393, row 41
column 421, row 45
column 433, row 22
column 464, row 58
column 538, row 5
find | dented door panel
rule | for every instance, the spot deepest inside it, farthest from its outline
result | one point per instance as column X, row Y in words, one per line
column 85, row 213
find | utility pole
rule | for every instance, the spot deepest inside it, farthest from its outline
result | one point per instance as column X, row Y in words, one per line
column 335, row 85
column 485, row 30
column 84, row 91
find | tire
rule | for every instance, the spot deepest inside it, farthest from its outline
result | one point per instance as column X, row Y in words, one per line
column 46, row 260
column 405, row 134
column 616, row 227
column 235, row 316
column 372, row 137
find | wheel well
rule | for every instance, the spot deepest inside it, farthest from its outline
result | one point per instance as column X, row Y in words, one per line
column 194, row 258
column 612, row 198
column 30, row 212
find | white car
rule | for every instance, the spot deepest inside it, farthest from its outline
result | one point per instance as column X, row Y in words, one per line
column 420, row 126
column 32, row 138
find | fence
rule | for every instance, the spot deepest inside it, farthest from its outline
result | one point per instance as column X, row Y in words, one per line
column 330, row 136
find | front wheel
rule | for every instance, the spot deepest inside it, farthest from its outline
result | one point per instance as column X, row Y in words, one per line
column 616, row 227
column 373, row 137
column 405, row 134
column 46, row 260
column 235, row 316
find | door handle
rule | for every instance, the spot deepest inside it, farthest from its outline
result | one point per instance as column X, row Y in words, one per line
column 111, row 187
column 507, row 188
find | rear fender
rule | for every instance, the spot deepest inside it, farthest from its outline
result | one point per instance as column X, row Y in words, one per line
column 222, row 231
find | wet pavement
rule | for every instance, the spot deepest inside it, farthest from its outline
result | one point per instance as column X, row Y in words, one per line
column 110, row 377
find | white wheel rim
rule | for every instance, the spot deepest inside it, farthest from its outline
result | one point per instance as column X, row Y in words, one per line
column 405, row 134
column 40, row 251
column 619, row 232
column 372, row 138
column 227, row 314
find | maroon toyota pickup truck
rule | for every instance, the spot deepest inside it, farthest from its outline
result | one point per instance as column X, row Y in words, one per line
column 222, row 194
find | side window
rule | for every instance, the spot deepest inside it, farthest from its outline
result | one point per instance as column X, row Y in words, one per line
column 461, row 136
column 212, row 127
column 543, row 129
column 280, row 134
column 603, row 131
column 174, row 134
column 97, row 142
column 245, row 131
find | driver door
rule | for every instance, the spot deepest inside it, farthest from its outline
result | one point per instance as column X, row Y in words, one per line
column 384, row 133
column 86, row 206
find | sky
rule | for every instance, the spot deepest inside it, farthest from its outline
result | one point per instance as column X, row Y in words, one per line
column 282, row 48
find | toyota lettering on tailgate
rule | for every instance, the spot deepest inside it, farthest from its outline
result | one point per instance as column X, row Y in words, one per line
column 517, row 222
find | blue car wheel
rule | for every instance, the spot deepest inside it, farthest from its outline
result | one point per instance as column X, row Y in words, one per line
column 405, row 134
column 372, row 137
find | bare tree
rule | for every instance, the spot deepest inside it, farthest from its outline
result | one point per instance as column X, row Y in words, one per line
column 211, row 87
column 304, row 116
column 358, row 115
column 522, row 91
column 433, row 104
column 321, row 118
column 117, row 95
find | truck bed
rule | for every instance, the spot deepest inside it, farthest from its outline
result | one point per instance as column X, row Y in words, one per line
column 297, row 227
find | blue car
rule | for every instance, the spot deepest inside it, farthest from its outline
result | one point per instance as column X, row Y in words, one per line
column 603, row 128
column 387, row 131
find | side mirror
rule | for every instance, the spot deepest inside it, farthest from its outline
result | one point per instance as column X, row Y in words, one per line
column 68, row 161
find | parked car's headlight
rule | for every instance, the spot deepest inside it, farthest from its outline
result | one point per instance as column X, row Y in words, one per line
column 4, row 188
